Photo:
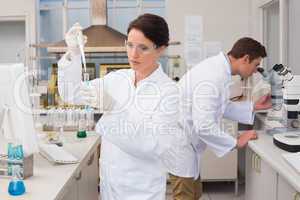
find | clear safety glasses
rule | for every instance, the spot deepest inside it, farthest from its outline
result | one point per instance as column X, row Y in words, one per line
column 140, row 48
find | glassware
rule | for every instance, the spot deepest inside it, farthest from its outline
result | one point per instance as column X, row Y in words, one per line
column 90, row 119
column 16, row 186
column 81, row 133
column 10, row 155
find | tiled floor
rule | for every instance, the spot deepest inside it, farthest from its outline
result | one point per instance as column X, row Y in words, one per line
column 217, row 191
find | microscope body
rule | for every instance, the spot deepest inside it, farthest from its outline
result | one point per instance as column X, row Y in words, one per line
column 285, row 91
column 291, row 97
column 276, row 81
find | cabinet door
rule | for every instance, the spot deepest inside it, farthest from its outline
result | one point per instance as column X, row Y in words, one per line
column 261, row 179
column 286, row 191
column 224, row 168
column 70, row 191
column 82, row 184
column 93, row 176
column 249, row 176
column 87, row 179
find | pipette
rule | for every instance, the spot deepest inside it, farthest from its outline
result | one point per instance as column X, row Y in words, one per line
column 80, row 44
column 80, row 41
column 82, row 132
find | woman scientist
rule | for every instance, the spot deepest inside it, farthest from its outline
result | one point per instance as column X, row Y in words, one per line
column 140, row 140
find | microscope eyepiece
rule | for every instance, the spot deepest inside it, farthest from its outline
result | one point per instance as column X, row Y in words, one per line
column 278, row 67
column 260, row 70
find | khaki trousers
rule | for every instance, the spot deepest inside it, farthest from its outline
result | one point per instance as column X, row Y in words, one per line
column 185, row 188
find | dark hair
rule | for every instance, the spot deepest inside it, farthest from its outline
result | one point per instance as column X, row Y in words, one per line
column 154, row 27
column 248, row 46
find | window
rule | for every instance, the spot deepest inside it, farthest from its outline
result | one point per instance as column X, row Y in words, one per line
column 271, row 34
column 294, row 35
column 121, row 12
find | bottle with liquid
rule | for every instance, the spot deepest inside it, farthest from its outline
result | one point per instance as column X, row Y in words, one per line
column 16, row 186
column 81, row 133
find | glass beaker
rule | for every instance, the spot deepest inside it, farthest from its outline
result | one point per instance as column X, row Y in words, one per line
column 16, row 186
column 81, row 133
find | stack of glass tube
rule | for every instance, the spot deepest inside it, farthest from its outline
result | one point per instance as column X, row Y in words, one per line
column 69, row 118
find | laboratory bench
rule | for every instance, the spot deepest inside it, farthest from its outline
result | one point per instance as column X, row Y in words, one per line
column 63, row 182
column 268, row 175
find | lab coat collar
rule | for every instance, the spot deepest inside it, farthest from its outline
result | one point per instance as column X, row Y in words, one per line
column 153, row 77
column 227, row 64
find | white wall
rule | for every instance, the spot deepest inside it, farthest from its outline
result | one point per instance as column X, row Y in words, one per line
column 224, row 21
column 272, row 35
column 294, row 36
column 24, row 10
column 12, row 40
column 256, row 16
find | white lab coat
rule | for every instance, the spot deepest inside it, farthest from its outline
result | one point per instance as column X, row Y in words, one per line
column 141, row 140
column 204, row 100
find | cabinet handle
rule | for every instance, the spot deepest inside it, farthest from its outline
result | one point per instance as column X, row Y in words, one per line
column 78, row 177
column 90, row 161
column 257, row 163
column 253, row 160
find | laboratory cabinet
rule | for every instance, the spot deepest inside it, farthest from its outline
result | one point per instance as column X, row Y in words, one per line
column 286, row 191
column 88, row 179
column 84, row 184
column 263, row 182
column 226, row 170
column 261, row 179
column 268, row 175
column 215, row 169
column 70, row 191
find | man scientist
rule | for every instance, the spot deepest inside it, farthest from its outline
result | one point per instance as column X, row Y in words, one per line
column 205, row 100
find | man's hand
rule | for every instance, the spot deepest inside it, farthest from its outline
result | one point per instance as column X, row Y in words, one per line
column 263, row 103
column 243, row 139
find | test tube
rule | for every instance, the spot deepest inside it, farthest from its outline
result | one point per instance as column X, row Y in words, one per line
column 90, row 118
column 86, row 76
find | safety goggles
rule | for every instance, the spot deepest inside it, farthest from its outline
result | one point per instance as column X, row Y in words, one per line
column 140, row 48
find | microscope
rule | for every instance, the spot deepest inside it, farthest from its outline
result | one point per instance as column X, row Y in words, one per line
column 285, row 94
column 276, row 77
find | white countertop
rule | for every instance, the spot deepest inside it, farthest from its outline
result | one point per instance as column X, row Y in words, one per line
column 271, row 154
column 49, row 180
